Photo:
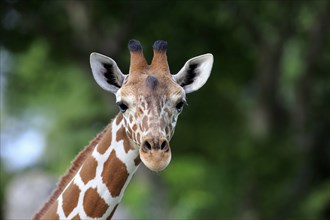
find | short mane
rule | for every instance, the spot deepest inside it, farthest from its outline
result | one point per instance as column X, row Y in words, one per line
column 76, row 164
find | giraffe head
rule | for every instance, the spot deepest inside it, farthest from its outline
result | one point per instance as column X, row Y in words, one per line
column 150, row 98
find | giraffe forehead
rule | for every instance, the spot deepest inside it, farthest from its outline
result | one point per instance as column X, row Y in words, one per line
column 150, row 88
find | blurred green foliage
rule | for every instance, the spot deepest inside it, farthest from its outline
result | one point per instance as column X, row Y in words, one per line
column 253, row 143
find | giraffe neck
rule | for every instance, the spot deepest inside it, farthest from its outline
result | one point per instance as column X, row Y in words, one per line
column 99, row 183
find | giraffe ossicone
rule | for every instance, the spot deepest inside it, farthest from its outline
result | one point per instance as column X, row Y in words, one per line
column 150, row 100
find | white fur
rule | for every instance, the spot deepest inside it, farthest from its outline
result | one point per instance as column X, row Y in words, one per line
column 98, row 183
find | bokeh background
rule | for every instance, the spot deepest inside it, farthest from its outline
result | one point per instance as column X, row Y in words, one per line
column 253, row 143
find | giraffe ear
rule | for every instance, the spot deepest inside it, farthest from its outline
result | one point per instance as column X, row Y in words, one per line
column 195, row 73
column 106, row 72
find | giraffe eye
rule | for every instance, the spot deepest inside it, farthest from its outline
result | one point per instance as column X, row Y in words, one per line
column 122, row 106
column 179, row 106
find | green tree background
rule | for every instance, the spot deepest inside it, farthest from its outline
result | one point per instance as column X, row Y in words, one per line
column 253, row 143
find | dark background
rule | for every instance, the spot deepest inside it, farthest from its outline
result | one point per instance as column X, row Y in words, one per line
column 253, row 143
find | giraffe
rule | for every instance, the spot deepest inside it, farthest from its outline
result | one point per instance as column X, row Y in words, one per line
column 149, row 99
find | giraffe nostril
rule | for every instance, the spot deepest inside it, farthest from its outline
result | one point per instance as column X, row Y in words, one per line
column 146, row 146
column 164, row 145
column 155, row 145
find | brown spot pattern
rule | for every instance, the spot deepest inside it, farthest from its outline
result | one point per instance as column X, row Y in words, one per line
column 121, row 135
column 113, row 212
column 52, row 212
column 88, row 171
column 94, row 205
column 76, row 217
column 70, row 198
column 72, row 171
column 119, row 118
column 130, row 132
column 140, row 111
column 105, row 142
column 114, row 174
column 144, row 123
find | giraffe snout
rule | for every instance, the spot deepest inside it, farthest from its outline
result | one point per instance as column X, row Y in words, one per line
column 155, row 153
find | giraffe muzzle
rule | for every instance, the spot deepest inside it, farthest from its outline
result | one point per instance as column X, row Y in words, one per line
column 155, row 153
